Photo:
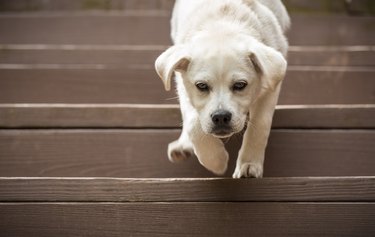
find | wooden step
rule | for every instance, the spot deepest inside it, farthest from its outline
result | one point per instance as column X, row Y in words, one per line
column 305, row 6
column 187, row 207
column 168, row 116
column 303, row 85
column 295, row 189
column 142, row 153
column 153, row 28
column 143, row 56
column 305, row 141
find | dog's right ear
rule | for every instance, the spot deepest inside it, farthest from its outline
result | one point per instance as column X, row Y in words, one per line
column 173, row 59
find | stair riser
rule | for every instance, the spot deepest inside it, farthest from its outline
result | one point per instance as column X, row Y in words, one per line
column 105, row 28
column 142, row 153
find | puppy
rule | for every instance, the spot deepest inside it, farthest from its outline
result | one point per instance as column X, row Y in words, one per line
column 229, row 61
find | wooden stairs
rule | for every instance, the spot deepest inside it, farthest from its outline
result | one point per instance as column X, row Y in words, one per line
column 85, row 123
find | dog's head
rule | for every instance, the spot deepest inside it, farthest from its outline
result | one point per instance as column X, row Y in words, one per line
column 222, row 78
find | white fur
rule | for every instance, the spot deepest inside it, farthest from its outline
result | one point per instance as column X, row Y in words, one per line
column 220, row 43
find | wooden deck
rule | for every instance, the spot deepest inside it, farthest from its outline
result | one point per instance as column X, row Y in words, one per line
column 85, row 123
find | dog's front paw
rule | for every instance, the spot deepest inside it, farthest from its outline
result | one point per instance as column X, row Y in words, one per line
column 248, row 170
column 177, row 152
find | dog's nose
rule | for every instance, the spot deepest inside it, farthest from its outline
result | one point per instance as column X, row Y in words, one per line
column 221, row 117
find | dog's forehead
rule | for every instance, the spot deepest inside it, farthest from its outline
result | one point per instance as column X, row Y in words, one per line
column 218, row 63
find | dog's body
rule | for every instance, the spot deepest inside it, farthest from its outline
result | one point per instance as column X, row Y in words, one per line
column 229, row 61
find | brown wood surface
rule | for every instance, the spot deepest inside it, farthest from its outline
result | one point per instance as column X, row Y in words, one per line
column 168, row 116
column 40, row 5
column 142, row 153
column 187, row 190
column 332, row 56
column 91, row 116
column 129, row 28
column 123, row 56
column 317, row 6
column 303, row 85
column 187, row 219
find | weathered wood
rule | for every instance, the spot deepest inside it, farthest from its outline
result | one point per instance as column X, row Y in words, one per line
column 187, row 219
column 124, row 56
column 303, row 85
column 309, row 85
column 324, row 116
column 168, row 116
column 142, row 153
column 302, row 6
column 82, row 5
column 90, row 116
column 124, row 28
column 332, row 56
column 187, row 190
column 84, row 28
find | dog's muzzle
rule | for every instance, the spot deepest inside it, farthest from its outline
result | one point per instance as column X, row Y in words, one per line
column 221, row 120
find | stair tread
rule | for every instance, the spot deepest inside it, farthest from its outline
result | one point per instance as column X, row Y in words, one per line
column 122, row 28
column 168, row 116
column 317, row 189
column 142, row 153
column 143, row 56
column 302, row 85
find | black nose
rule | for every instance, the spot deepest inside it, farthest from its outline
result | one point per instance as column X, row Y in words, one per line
column 221, row 117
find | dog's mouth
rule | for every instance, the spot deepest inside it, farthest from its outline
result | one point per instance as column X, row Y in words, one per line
column 222, row 132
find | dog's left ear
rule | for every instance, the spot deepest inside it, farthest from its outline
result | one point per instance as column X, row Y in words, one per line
column 173, row 59
column 268, row 63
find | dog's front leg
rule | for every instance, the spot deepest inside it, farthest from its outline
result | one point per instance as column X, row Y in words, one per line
column 251, row 155
column 210, row 151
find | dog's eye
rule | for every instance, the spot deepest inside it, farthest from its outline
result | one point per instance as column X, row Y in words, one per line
column 202, row 86
column 239, row 86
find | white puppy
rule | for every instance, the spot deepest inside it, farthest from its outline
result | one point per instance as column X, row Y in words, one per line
column 229, row 60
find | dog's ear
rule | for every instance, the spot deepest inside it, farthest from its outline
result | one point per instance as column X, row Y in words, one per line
column 269, row 64
column 173, row 59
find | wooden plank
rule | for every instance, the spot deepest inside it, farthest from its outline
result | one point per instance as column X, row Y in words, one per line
column 120, row 56
column 319, row 153
column 309, row 85
column 142, row 153
column 82, row 5
column 187, row 190
column 124, row 28
column 331, row 56
column 115, row 57
column 324, row 116
column 168, row 116
column 328, row 30
column 83, row 86
column 90, row 116
column 302, row 6
column 187, row 219
column 303, row 85
column 84, row 28
column 353, row 7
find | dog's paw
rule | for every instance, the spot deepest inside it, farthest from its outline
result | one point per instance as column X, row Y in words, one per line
column 177, row 152
column 219, row 163
column 248, row 170
column 214, row 161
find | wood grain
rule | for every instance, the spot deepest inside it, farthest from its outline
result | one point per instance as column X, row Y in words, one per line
column 82, row 5
column 93, row 28
column 187, row 219
column 168, row 116
column 121, row 56
column 320, row 189
column 318, row 6
column 302, row 85
column 90, row 116
column 139, row 153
